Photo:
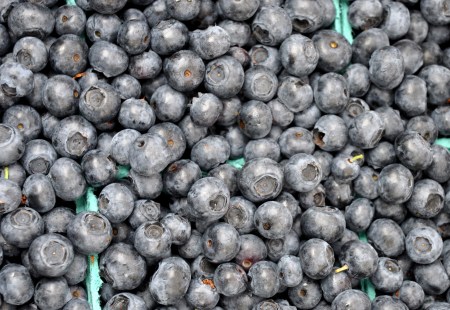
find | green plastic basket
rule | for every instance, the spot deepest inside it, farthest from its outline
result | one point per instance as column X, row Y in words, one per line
column 88, row 202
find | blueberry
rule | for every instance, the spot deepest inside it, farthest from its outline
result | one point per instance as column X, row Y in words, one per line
column 326, row 223
column 183, row 10
column 306, row 16
column 366, row 184
column 295, row 94
column 67, row 179
column 439, row 168
column 425, row 126
column 317, row 258
column 152, row 239
column 255, row 119
column 240, row 214
column 16, row 80
column 16, row 285
column 237, row 10
column 260, row 83
column 393, row 123
column 410, row 96
column 108, row 58
column 202, row 155
column 313, row 198
column 180, row 176
column 289, row 245
column 359, row 214
column 5, row 39
column 31, row 53
column 134, row 36
column 169, row 36
column 305, row 295
column 273, row 220
column 271, row 25
column 147, row 154
column 331, row 93
column 70, row 19
column 86, row 225
column 423, row 245
column 366, row 130
column 127, row 86
column 360, row 257
column 121, row 144
column 38, row 193
column 262, row 148
column 396, row 20
column 193, row 246
column 435, row 12
column 202, row 294
column 184, row 70
column 380, row 156
column 99, row 168
column 387, row 237
column 239, row 32
column 221, row 242
column 334, row 284
column 99, row 103
column 171, row 281
column 330, row 133
column 180, row 228
column 116, row 202
column 57, row 219
column 260, row 179
column 77, row 270
column 352, row 300
column 298, row 54
column 51, row 255
column 145, row 66
column 224, row 77
column 51, row 293
column 345, row 168
column 366, row 43
column 156, row 12
column 77, row 304
column 210, row 43
column 411, row 294
column 440, row 118
column 338, row 193
column 335, row 51
column 386, row 302
column 21, row 226
column 252, row 250
column 122, row 267
column 205, row 109
column 103, row 27
column 230, row 279
column 74, row 137
column 68, row 55
column 168, row 103
column 432, row 277
column 266, row 56
column 388, row 277
column 125, row 301
column 365, row 14
column 436, row 77
column 107, row 7
column 60, row 95
column 21, row 26
column 303, row 172
column 145, row 187
column 427, row 199
column 263, row 279
column 418, row 27
column 413, row 151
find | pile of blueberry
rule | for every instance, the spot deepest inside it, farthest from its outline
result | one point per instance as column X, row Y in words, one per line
column 342, row 185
